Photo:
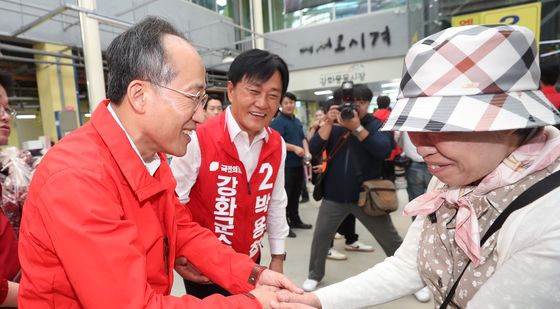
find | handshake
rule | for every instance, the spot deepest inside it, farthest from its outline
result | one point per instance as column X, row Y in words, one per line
column 287, row 297
column 272, row 290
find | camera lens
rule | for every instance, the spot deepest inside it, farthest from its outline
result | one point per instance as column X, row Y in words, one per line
column 347, row 112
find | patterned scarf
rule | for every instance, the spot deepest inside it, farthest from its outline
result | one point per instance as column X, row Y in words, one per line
column 536, row 154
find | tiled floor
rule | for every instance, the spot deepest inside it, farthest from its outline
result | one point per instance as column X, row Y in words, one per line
column 298, row 256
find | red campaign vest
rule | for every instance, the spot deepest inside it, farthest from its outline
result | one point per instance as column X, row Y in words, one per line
column 222, row 200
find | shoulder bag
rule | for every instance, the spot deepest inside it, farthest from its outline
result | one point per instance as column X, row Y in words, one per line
column 378, row 197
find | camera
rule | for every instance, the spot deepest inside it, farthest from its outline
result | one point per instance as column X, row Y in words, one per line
column 347, row 106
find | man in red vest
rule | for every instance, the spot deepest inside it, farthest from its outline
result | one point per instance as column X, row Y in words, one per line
column 232, row 176
column 102, row 226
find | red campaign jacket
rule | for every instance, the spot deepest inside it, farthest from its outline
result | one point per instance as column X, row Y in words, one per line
column 382, row 114
column 97, row 227
column 9, row 264
column 222, row 200
column 552, row 95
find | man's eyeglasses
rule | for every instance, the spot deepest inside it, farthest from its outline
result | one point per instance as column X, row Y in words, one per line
column 199, row 99
column 8, row 111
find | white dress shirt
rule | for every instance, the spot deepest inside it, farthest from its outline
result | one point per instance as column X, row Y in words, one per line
column 151, row 166
column 186, row 169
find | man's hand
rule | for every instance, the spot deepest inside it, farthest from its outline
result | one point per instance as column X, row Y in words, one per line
column 317, row 169
column 350, row 124
column 272, row 278
column 189, row 271
column 277, row 263
column 299, row 151
column 287, row 300
column 265, row 295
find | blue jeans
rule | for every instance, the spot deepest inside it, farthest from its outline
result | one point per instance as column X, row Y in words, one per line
column 417, row 179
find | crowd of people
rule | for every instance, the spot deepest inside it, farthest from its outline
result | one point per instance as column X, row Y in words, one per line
column 106, row 220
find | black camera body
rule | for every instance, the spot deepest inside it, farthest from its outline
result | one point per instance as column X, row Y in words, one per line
column 347, row 107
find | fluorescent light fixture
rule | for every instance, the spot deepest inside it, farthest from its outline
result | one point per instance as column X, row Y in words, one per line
column 390, row 85
column 228, row 59
column 322, row 92
column 87, row 115
column 330, row 97
column 392, row 90
column 26, row 116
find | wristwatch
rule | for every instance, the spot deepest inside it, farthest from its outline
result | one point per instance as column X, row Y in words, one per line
column 357, row 131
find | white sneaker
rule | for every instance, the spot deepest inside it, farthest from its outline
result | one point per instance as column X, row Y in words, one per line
column 423, row 295
column 335, row 255
column 309, row 285
column 338, row 236
column 358, row 246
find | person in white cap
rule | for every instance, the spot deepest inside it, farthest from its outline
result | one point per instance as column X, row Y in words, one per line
column 487, row 233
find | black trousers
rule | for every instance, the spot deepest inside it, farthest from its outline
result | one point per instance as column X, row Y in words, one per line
column 304, row 192
column 204, row 290
column 292, row 184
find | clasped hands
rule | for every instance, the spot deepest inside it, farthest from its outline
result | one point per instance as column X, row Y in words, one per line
column 273, row 290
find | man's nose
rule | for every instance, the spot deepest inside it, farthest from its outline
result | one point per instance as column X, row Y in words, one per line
column 198, row 116
column 260, row 100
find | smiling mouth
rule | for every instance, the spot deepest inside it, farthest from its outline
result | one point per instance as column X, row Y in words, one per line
column 262, row 115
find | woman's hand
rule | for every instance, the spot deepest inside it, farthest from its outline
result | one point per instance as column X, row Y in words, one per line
column 287, row 300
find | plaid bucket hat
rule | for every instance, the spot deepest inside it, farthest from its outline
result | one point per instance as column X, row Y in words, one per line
column 472, row 78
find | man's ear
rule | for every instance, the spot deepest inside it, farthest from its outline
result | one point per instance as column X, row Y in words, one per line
column 230, row 90
column 137, row 94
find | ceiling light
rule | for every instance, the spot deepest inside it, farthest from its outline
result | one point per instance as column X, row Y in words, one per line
column 322, row 92
column 388, row 91
column 26, row 116
column 390, row 85
column 228, row 59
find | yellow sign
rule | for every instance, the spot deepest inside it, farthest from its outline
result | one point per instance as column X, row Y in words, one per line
column 527, row 15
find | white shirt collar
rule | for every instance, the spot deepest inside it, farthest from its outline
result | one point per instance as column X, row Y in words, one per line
column 151, row 166
column 235, row 130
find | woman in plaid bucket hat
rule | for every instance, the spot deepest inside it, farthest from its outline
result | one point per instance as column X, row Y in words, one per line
column 470, row 102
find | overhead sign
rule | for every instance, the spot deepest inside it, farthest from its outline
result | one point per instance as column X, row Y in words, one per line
column 382, row 34
column 527, row 15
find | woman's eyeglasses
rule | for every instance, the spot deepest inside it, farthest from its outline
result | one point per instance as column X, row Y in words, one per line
column 8, row 110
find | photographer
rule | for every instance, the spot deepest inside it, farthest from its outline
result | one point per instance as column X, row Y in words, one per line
column 357, row 150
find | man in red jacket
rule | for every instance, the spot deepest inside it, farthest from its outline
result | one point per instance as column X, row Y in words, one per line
column 102, row 226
